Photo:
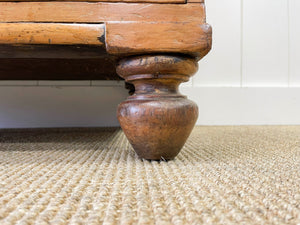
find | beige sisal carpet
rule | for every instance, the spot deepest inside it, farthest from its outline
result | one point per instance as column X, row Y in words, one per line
column 224, row 175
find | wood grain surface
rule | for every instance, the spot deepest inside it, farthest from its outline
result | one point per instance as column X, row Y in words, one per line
column 157, row 119
column 83, row 30
column 52, row 33
column 127, row 1
column 84, row 12
column 130, row 28
column 175, row 37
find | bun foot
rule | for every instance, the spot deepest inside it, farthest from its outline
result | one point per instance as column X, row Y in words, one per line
column 157, row 119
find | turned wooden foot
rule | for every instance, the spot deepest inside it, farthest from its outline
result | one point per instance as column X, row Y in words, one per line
column 157, row 119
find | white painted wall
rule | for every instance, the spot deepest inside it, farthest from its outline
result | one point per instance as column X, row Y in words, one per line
column 60, row 103
column 251, row 76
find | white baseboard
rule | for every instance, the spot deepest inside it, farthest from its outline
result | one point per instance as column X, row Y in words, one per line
column 246, row 106
column 92, row 106
column 59, row 106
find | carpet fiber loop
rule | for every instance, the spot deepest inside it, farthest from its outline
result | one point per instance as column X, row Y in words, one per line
column 224, row 175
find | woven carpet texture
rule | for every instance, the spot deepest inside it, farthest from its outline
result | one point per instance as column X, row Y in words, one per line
column 223, row 175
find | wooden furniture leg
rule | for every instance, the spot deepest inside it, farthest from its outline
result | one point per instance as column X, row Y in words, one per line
column 157, row 119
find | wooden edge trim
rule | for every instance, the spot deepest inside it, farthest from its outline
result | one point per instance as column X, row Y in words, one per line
column 99, row 12
column 52, row 34
column 186, row 38
column 114, row 1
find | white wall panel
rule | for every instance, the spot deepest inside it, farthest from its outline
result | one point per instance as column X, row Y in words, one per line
column 265, row 43
column 246, row 106
column 294, row 42
column 59, row 106
column 221, row 67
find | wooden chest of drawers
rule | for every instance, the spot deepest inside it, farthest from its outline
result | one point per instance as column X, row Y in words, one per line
column 153, row 44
